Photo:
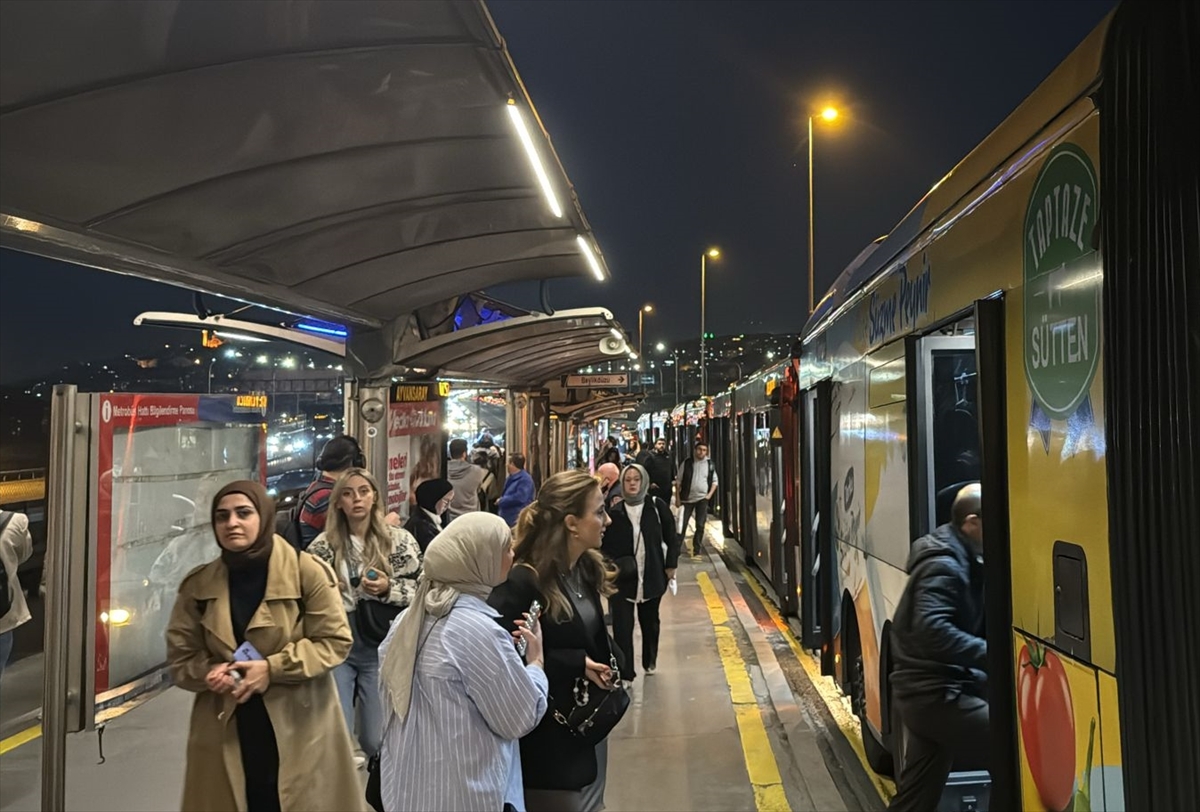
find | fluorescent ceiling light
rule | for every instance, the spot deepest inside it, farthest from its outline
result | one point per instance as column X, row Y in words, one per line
column 531, row 153
column 593, row 263
column 239, row 337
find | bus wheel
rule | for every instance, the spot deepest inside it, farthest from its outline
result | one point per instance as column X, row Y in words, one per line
column 877, row 755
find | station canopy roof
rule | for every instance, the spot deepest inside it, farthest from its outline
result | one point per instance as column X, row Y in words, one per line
column 527, row 350
column 353, row 161
column 600, row 406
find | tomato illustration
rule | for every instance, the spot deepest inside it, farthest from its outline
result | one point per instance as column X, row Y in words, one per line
column 1047, row 724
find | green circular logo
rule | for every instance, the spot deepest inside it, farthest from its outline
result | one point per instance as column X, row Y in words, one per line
column 1062, row 283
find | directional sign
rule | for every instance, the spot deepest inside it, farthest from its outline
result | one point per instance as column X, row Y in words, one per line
column 610, row 381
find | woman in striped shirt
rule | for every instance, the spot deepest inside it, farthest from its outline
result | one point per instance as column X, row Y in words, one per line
column 458, row 697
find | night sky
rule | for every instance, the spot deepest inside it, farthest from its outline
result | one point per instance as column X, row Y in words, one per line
column 681, row 126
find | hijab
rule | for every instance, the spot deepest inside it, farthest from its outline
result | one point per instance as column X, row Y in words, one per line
column 430, row 492
column 466, row 558
column 258, row 553
column 640, row 496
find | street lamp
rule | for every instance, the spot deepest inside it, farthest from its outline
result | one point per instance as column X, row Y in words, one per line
column 828, row 114
column 646, row 308
column 713, row 253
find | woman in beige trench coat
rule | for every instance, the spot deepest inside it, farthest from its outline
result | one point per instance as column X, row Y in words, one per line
column 266, row 734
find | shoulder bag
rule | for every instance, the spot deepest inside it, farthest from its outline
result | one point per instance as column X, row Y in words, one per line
column 593, row 711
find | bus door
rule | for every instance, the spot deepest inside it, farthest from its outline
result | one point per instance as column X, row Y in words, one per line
column 808, row 566
column 746, row 460
column 764, row 497
column 781, row 576
column 826, row 603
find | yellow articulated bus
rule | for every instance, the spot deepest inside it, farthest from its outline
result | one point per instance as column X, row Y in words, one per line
column 1031, row 324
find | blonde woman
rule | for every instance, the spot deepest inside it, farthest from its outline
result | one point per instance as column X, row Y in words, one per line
column 377, row 566
column 558, row 563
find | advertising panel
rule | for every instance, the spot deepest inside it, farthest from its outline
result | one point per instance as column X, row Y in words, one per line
column 413, row 441
column 159, row 461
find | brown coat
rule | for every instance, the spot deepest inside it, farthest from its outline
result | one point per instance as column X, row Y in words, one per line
column 316, row 761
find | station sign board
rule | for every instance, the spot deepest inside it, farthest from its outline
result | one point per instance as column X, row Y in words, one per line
column 414, row 444
column 612, row 380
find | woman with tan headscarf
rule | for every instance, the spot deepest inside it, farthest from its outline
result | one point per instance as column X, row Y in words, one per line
column 457, row 696
column 255, row 634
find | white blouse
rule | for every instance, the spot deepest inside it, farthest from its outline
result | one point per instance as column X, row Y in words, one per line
column 634, row 512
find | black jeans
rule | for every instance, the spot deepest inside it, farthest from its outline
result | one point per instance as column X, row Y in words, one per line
column 647, row 616
column 940, row 733
column 701, row 510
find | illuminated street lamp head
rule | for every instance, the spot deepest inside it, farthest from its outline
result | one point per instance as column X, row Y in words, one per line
column 713, row 253
column 648, row 308
column 829, row 113
column 661, row 347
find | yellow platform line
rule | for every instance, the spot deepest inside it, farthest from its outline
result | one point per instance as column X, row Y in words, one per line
column 761, row 766
column 17, row 739
column 846, row 721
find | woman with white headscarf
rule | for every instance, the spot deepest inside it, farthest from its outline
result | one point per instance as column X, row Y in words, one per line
column 457, row 696
column 644, row 546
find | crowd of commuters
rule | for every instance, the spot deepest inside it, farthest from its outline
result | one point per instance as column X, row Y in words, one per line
column 464, row 659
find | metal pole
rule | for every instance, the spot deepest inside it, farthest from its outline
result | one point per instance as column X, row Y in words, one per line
column 641, row 312
column 703, row 279
column 811, row 297
column 59, row 532
column 675, row 354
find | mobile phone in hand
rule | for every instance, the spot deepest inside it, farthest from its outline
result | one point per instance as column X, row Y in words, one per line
column 246, row 652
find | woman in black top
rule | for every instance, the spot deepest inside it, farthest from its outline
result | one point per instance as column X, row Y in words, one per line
column 641, row 526
column 558, row 563
column 425, row 522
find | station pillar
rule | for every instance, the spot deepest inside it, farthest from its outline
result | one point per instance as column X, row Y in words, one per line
column 560, row 444
column 527, row 430
column 366, row 409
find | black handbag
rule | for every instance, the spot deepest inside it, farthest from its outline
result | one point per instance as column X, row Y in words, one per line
column 373, row 619
column 593, row 711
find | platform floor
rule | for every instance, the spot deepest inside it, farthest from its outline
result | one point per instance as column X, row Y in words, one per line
column 726, row 724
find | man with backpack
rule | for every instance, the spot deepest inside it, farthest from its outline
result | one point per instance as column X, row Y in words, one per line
column 697, row 484
column 16, row 545
column 338, row 456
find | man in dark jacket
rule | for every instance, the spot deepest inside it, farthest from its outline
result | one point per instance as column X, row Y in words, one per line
column 939, row 655
column 661, row 468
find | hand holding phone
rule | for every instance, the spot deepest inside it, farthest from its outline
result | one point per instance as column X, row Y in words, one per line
column 529, row 630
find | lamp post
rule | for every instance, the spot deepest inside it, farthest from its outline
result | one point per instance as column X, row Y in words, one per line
column 714, row 253
column 646, row 308
column 661, row 347
column 828, row 114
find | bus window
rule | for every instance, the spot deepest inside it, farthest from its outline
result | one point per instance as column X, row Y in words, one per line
column 949, row 446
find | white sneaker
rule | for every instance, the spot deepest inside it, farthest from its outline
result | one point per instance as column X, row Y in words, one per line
column 360, row 762
column 651, row 669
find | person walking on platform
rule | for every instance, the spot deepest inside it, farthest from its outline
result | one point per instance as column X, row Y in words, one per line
column 609, row 476
column 661, row 468
column 558, row 564
column 466, row 478
column 644, row 547
column 518, row 490
column 939, row 655
column 16, row 546
column 425, row 522
column 610, row 451
column 697, row 484
column 458, row 695
column 338, row 456
column 256, row 634
column 377, row 566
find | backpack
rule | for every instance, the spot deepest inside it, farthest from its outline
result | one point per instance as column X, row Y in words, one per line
column 6, row 599
column 289, row 528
